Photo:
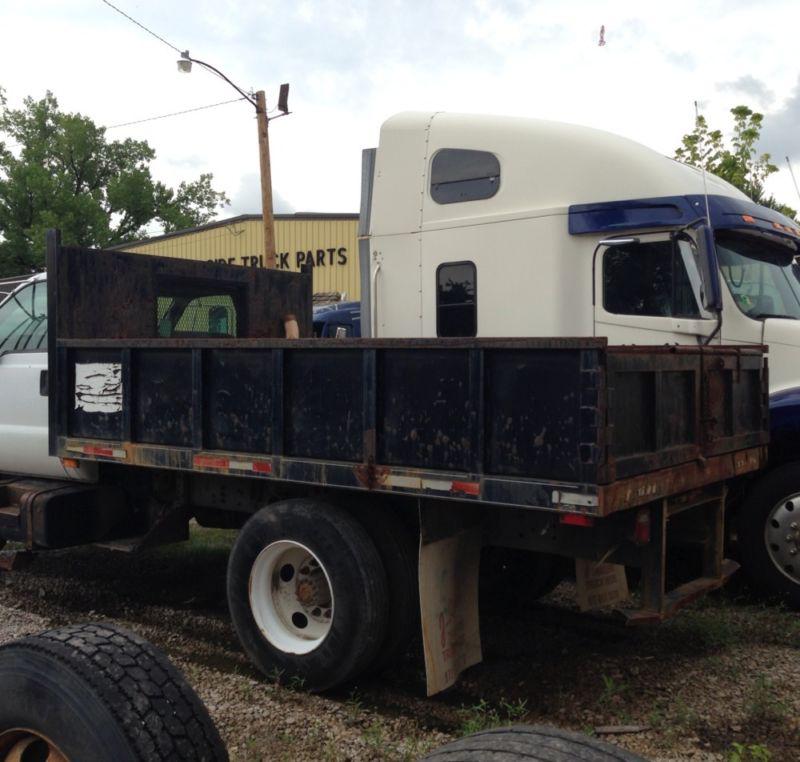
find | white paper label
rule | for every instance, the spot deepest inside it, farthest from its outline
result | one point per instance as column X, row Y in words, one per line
column 98, row 387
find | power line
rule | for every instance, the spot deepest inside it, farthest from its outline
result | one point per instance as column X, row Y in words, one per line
column 149, row 31
column 174, row 113
column 791, row 172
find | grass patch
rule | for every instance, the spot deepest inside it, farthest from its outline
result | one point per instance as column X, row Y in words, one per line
column 754, row 752
column 484, row 715
column 763, row 705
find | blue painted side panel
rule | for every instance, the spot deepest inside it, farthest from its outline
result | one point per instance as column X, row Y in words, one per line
column 784, row 419
column 672, row 211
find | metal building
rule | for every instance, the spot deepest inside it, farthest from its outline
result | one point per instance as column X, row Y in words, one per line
column 328, row 242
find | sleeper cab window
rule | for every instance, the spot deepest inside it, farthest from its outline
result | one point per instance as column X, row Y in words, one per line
column 460, row 175
column 648, row 279
column 456, row 299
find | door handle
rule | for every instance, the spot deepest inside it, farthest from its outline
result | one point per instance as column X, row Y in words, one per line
column 44, row 385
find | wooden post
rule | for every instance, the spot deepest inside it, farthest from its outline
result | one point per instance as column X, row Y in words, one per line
column 266, row 179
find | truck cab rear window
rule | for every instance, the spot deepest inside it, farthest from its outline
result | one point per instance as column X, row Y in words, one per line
column 648, row 279
column 199, row 317
column 460, row 175
column 456, row 300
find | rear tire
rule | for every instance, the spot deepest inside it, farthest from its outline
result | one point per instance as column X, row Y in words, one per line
column 307, row 593
column 399, row 554
column 769, row 534
column 97, row 691
column 530, row 742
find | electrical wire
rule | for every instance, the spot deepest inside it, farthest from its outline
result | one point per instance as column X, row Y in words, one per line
column 142, row 26
column 794, row 180
column 174, row 113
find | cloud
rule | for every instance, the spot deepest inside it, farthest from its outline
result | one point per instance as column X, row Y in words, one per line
column 749, row 85
column 247, row 199
column 780, row 135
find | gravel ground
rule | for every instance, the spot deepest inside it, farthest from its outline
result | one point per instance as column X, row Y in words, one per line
column 725, row 672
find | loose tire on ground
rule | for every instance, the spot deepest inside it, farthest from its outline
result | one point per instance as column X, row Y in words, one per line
column 768, row 532
column 399, row 553
column 95, row 692
column 307, row 593
column 530, row 742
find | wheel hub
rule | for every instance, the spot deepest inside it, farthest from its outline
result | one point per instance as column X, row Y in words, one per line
column 782, row 537
column 20, row 745
column 291, row 597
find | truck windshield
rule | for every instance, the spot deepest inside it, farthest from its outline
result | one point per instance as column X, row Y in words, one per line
column 759, row 275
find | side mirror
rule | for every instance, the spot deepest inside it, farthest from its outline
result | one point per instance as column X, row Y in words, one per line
column 709, row 268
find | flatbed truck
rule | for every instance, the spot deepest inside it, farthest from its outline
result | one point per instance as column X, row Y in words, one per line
column 365, row 475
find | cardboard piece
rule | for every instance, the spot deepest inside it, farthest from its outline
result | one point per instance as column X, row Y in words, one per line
column 448, row 591
column 600, row 585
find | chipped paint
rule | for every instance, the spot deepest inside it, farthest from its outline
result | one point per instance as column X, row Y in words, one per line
column 98, row 387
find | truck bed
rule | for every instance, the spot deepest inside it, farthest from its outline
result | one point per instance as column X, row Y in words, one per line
column 561, row 424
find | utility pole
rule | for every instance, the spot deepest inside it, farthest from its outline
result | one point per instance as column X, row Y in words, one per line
column 259, row 101
column 266, row 179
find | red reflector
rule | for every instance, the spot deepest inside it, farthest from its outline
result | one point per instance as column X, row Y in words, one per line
column 208, row 461
column 262, row 467
column 748, row 218
column 104, row 452
column 468, row 488
column 577, row 520
column 641, row 530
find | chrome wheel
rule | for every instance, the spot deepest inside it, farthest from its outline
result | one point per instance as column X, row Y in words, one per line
column 291, row 597
column 782, row 536
column 21, row 745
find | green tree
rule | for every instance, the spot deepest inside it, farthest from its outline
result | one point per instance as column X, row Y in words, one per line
column 59, row 170
column 738, row 162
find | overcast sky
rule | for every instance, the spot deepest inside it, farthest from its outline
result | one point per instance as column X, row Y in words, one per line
column 353, row 63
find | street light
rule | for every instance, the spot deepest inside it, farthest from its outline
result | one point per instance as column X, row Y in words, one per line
column 259, row 102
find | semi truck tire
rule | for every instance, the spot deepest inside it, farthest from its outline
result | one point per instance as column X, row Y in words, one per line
column 769, row 534
column 97, row 691
column 399, row 553
column 530, row 742
column 307, row 593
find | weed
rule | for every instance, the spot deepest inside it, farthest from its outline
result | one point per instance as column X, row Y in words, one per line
column 483, row 715
column 296, row 683
column 374, row 736
column 514, row 710
column 755, row 752
column 762, row 705
column 353, row 707
column 275, row 675
column 612, row 692
column 685, row 716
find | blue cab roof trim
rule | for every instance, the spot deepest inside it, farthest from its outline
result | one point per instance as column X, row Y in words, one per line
column 674, row 211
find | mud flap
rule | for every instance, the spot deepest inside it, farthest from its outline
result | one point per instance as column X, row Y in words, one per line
column 449, row 560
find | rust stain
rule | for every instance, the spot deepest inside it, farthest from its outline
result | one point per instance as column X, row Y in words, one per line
column 371, row 476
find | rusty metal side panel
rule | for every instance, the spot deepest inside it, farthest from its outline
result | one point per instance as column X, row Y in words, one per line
column 643, row 488
column 113, row 294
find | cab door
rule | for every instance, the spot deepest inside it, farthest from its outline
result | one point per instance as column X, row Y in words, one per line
column 648, row 290
column 23, row 384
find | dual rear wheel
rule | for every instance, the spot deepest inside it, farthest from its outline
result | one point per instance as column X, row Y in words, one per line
column 319, row 596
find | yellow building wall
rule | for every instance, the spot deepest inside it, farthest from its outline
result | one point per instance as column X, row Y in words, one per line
column 330, row 244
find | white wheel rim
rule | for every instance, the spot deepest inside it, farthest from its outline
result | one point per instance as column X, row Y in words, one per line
column 782, row 537
column 291, row 597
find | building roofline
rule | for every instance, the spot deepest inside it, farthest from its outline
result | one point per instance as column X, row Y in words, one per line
column 235, row 220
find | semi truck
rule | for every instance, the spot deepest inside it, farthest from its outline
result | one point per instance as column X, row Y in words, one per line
column 499, row 226
column 366, row 476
